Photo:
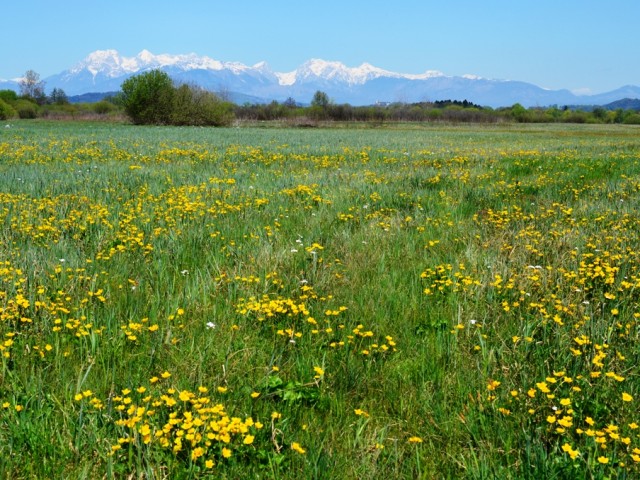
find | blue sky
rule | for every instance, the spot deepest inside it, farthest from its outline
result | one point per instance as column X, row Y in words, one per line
column 582, row 45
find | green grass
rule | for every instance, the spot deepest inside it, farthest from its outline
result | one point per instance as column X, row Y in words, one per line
column 404, row 302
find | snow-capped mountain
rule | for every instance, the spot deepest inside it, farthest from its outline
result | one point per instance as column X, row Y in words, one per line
column 105, row 70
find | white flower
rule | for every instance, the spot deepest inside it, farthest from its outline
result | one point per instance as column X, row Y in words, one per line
column 211, row 325
column 185, row 272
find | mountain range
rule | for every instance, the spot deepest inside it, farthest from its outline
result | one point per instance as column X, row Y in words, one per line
column 105, row 70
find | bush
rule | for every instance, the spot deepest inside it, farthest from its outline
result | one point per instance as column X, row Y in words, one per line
column 148, row 98
column 26, row 109
column 9, row 96
column 6, row 111
column 212, row 111
column 632, row 119
column 103, row 107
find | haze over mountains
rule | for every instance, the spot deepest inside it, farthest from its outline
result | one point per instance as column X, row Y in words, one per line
column 105, row 70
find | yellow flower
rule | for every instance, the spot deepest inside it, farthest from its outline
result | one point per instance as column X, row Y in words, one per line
column 542, row 386
column 626, row 397
column 414, row 440
column 197, row 453
column 603, row 460
column 226, row 453
column 492, row 385
column 209, row 464
column 248, row 440
column 296, row 447
column 165, row 374
column 255, row 394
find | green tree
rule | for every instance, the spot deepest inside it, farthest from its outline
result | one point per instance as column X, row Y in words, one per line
column 148, row 98
column 32, row 88
column 320, row 99
column 58, row 97
column 519, row 112
column 8, row 96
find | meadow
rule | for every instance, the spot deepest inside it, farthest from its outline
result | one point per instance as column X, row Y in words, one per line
column 409, row 301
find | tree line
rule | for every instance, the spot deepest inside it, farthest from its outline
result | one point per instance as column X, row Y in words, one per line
column 153, row 98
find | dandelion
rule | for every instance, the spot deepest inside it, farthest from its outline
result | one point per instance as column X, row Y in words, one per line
column 295, row 446
column 492, row 385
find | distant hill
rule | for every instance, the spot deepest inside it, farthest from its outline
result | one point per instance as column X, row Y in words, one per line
column 624, row 104
column 92, row 97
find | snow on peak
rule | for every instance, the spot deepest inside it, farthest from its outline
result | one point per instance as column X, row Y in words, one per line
column 110, row 63
column 332, row 70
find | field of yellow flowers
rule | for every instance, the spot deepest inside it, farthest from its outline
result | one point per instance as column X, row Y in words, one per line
column 399, row 302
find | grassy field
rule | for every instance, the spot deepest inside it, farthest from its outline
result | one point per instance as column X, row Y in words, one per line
column 398, row 302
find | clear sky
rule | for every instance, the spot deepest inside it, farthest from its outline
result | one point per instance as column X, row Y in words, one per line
column 583, row 45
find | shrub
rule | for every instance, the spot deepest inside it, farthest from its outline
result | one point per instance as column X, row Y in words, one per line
column 195, row 106
column 9, row 96
column 103, row 107
column 6, row 111
column 148, row 98
column 26, row 109
column 632, row 119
